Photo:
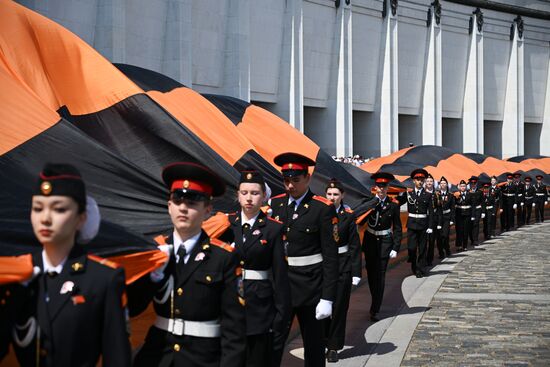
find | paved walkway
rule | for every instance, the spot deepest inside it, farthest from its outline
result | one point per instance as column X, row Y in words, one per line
column 489, row 306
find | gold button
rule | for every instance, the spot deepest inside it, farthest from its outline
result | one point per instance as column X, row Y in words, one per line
column 307, row 229
column 177, row 311
column 2, row 302
column 43, row 352
column 179, row 291
column 208, row 278
column 177, row 347
column 8, row 293
column 242, row 262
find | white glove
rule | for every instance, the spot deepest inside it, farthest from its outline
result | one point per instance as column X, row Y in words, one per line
column 521, row 203
column 473, row 218
column 546, row 203
column 158, row 274
column 501, row 210
column 515, row 206
column 451, row 223
column 323, row 309
column 438, row 227
column 482, row 215
column 429, row 231
column 534, row 205
column 393, row 254
column 355, row 280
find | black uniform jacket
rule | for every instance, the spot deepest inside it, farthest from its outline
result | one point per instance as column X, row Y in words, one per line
column 386, row 215
column 84, row 318
column 350, row 261
column 490, row 199
column 509, row 193
column 477, row 199
column 445, row 207
column 206, row 288
column 464, row 204
column 267, row 301
column 520, row 192
column 541, row 189
column 529, row 194
column 311, row 229
column 421, row 204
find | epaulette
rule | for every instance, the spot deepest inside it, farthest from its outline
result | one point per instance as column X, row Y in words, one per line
column 102, row 261
column 349, row 210
column 227, row 247
column 274, row 220
column 161, row 239
column 278, row 196
column 322, row 199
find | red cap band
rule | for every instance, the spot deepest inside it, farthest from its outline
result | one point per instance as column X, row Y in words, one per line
column 296, row 166
column 382, row 180
column 191, row 185
column 419, row 175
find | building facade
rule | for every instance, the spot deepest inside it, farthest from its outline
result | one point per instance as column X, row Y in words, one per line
column 361, row 77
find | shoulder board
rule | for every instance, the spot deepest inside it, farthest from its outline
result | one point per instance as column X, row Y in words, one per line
column 322, row 199
column 349, row 210
column 161, row 239
column 274, row 220
column 278, row 196
column 102, row 261
column 223, row 245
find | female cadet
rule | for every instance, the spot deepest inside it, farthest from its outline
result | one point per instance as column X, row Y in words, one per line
column 73, row 312
column 258, row 241
column 349, row 255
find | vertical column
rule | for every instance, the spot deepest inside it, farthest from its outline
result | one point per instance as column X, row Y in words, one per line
column 340, row 103
column 472, row 113
column 386, row 109
column 512, row 124
column 290, row 96
column 431, row 100
column 177, row 60
column 545, row 131
column 237, row 50
column 110, row 30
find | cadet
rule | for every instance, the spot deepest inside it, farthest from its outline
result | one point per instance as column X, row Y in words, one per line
column 508, row 192
column 520, row 199
column 541, row 199
column 72, row 312
column 529, row 199
column 430, row 238
column 349, row 255
column 198, row 294
column 419, row 223
column 311, row 227
column 489, row 207
column 382, row 239
column 258, row 240
column 477, row 201
column 464, row 216
column 496, row 193
column 446, row 217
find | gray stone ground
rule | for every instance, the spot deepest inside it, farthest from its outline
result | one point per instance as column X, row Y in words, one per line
column 493, row 309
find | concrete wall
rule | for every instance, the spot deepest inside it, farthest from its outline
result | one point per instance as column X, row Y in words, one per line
column 355, row 80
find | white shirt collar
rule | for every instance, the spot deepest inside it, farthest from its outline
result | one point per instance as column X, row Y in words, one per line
column 188, row 244
column 298, row 201
column 48, row 267
column 251, row 221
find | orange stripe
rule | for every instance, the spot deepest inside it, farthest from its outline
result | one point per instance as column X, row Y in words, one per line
column 14, row 269
column 139, row 264
column 374, row 165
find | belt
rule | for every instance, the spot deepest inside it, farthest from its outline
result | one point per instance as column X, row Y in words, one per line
column 528, row 197
column 255, row 274
column 478, row 207
column 540, row 194
column 446, row 211
column 202, row 329
column 305, row 260
column 505, row 194
column 343, row 249
column 520, row 194
column 412, row 215
column 379, row 233
column 464, row 206
column 489, row 207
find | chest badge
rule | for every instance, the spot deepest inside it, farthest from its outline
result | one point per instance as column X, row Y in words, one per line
column 294, row 216
column 200, row 256
column 67, row 287
column 256, row 232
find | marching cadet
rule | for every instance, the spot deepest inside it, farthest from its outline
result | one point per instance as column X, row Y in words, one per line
column 73, row 311
column 489, row 210
column 508, row 192
column 431, row 237
column 477, row 201
column 464, row 216
column 419, row 223
column 541, row 199
column 382, row 239
column 529, row 199
column 520, row 199
column 198, row 295
column 446, row 217
column 258, row 240
column 349, row 256
column 311, row 236
column 496, row 193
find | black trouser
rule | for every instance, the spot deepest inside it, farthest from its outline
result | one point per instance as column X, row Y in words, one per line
column 519, row 214
column 539, row 209
column 376, row 265
column 508, row 212
column 430, row 240
column 527, row 209
column 462, row 230
column 416, row 244
column 474, row 228
column 443, row 238
column 336, row 326
column 489, row 223
column 259, row 349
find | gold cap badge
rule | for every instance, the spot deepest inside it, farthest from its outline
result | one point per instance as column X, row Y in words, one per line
column 46, row 188
column 249, row 176
column 185, row 184
column 290, row 166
